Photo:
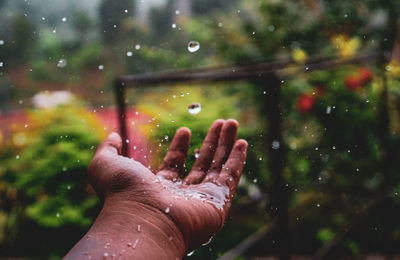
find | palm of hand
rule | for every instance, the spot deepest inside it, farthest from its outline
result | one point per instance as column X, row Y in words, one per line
column 197, row 204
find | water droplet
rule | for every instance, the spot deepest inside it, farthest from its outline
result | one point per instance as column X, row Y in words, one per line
column 276, row 145
column 1, row 42
column 138, row 228
column 167, row 210
column 137, row 47
column 193, row 46
column 134, row 147
column 196, row 153
column 58, row 215
column 328, row 110
column 64, row 19
column 17, row 157
column 101, row 67
column 191, row 253
column 173, row 25
column 220, row 25
column 43, row 18
column 177, row 12
column 318, row 205
column 255, row 180
column 166, row 137
column 62, row 63
column 333, row 147
column 105, row 254
column 126, row 11
column 136, row 242
column 1, row 64
column 194, row 108
column 129, row 54
column 54, row 31
column 260, row 158
column 264, row 92
column 64, row 169
column 208, row 242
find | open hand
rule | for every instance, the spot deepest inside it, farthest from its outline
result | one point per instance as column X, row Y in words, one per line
column 198, row 203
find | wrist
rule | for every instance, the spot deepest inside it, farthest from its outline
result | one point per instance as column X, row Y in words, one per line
column 132, row 230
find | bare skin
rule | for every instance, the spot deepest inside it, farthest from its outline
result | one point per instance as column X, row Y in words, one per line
column 162, row 215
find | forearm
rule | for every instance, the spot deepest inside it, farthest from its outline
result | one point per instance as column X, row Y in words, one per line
column 127, row 230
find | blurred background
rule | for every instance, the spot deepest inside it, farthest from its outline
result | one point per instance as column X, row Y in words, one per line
column 332, row 188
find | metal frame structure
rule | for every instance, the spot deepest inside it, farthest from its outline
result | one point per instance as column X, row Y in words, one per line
column 267, row 75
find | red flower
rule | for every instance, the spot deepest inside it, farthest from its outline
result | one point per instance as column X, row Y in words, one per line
column 305, row 102
column 352, row 82
column 365, row 76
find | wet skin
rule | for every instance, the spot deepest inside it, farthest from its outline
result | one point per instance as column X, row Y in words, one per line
column 162, row 215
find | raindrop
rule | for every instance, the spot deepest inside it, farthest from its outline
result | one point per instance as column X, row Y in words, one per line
column 276, row 145
column 191, row 253
column 136, row 242
column 43, row 18
column 318, row 205
column 129, row 54
column 101, row 67
column 220, row 25
column 1, row 64
column 333, row 147
column 126, row 11
column 137, row 47
column 255, row 180
column 58, row 215
column 177, row 12
column 173, row 25
column 62, row 63
column 196, row 153
column 105, row 254
column 64, row 19
column 166, row 137
column 194, row 108
column 271, row 28
column 17, row 157
column 193, row 46
column 328, row 110
column 260, row 159
column 138, row 228
column 54, row 31
column 264, row 92
column 1, row 42
column 167, row 210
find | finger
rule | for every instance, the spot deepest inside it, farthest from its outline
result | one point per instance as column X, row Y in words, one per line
column 230, row 174
column 174, row 162
column 207, row 151
column 226, row 140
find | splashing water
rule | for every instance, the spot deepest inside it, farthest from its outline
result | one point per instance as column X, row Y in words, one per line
column 194, row 108
column 193, row 46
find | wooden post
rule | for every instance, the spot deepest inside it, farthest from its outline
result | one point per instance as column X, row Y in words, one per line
column 271, row 108
column 119, row 89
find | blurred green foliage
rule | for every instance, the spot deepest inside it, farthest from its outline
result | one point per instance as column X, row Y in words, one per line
column 45, row 181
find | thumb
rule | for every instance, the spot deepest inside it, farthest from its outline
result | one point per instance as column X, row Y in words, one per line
column 113, row 144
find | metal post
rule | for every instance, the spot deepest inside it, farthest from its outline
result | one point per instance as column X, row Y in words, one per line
column 271, row 108
column 119, row 88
